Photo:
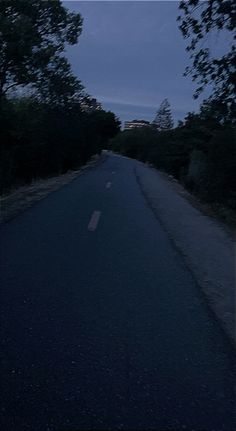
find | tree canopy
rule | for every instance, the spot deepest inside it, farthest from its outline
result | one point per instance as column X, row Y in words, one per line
column 44, row 130
column 163, row 119
column 197, row 20
column 33, row 36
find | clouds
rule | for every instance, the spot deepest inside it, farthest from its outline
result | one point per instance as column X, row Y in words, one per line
column 132, row 53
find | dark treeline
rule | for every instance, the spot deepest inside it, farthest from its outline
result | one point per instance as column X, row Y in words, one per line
column 40, row 140
column 43, row 130
column 200, row 152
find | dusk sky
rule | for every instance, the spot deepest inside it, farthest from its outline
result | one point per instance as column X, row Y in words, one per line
column 131, row 55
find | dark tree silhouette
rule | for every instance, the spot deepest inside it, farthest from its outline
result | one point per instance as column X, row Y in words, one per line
column 197, row 20
column 163, row 119
column 32, row 41
column 43, row 130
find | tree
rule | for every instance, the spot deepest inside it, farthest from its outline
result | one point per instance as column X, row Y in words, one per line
column 163, row 119
column 57, row 85
column 43, row 129
column 198, row 20
column 32, row 39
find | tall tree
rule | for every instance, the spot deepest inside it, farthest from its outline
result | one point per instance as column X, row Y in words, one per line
column 163, row 119
column 198, row 19
column 33, row 36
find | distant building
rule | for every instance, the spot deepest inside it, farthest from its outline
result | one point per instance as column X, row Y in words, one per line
column 135, row 124
column 88, row 104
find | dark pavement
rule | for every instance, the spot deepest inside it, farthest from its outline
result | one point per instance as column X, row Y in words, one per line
column 106, row 329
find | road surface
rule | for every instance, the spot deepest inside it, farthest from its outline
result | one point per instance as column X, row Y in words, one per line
column 102, row 325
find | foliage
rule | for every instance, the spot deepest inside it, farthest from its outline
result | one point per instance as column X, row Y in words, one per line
column 43, row 131
column 40, row 140
column 198, row 19
column 220, row 177
column 32, row 40
column 200, row 152
column 163, row 119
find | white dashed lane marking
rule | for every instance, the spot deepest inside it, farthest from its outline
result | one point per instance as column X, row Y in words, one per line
column 92, row 226
column 108, row 185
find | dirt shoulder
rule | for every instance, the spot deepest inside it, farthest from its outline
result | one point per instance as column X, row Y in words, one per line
column 207, row 246
column 24, row 197
column 225, row 217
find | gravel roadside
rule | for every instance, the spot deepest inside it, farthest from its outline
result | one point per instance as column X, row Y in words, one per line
column 25, row 196
column 206, row 246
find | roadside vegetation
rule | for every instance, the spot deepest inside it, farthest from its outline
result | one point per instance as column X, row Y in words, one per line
column 43, row 130
column 200, row 151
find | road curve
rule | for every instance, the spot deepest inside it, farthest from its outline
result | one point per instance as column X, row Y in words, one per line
column 102, row 325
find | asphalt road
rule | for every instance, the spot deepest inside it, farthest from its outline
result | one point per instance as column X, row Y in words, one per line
column 102, row 325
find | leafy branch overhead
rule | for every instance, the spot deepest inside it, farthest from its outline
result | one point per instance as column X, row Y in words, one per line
column 197, row 20
column 32, row 41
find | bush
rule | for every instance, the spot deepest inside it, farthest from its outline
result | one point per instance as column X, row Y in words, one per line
column 220, row 177
column 38, row 140
column 200, row 153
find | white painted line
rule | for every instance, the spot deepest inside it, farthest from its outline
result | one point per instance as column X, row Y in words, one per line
column 94, row 221
column 108, row 185
column 113, row 172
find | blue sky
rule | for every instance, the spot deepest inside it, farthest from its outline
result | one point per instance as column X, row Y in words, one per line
column 131, row 55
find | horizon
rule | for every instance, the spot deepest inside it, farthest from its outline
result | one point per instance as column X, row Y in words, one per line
column 138, row 64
